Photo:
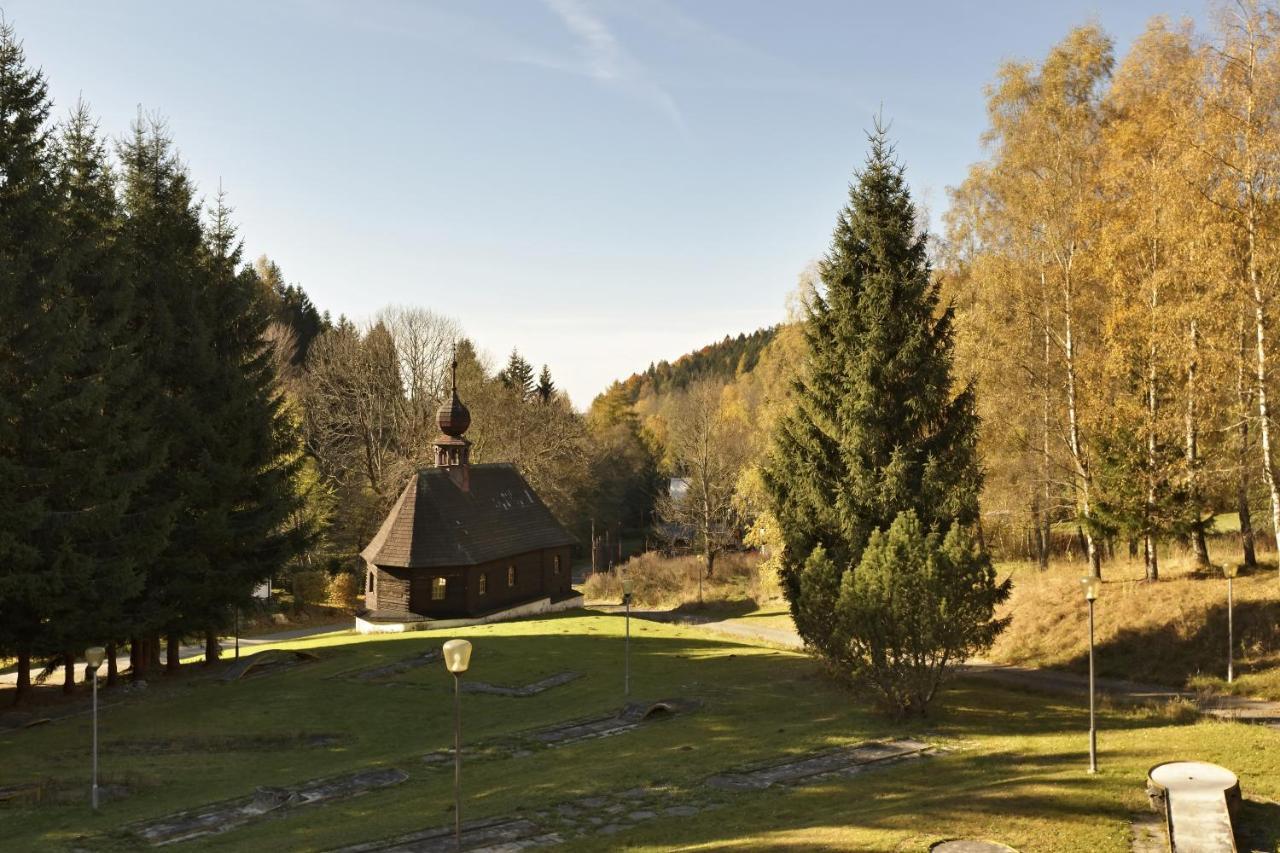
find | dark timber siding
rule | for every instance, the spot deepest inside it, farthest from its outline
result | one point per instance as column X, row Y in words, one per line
column 536, row 576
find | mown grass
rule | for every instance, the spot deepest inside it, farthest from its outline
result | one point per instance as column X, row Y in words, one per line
column 1014, row 767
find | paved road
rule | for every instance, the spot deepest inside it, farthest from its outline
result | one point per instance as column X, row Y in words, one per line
column 1045, row 680
column 10, row 676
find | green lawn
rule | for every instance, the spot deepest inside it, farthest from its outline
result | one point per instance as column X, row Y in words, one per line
column 1013, row 769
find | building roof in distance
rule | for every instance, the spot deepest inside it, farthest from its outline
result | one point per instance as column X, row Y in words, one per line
column 435, row 524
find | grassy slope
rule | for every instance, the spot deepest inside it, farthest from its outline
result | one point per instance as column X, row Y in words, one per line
column 1016, row 772
column 1171, row 632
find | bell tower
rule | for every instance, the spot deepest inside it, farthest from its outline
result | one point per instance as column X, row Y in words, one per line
column 453, row 452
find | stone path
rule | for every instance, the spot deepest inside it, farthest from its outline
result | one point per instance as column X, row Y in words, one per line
column 264, row 663
column 394, row 668
column 830, row 763
column 523, row 692
column 520, row 744
column 231, row 814
column 607, row 814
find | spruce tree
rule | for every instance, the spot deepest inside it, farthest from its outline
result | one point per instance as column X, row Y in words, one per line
column 106, row 449
column 546, row 388
column 518, row 375
column 253, row 464
column 877, row 430
column 163, row 246
column 32, row 350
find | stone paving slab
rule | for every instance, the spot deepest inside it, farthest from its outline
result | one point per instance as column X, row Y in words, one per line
column 524, row 691
column 520, row 744
column 231, row 814
column 843, row 760
column 606, row 814
column 490, row 835
column 971, row 845
column 394, row 668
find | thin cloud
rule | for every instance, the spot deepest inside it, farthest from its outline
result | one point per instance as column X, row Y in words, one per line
column 608, row 61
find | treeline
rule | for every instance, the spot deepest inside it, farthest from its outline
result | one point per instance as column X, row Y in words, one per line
column 722, row 360
column 148, row 461
column 1114, row 262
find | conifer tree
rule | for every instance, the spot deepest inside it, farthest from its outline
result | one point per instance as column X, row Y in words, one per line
column 162, row 243
column 546, row 388
column 877, row 430
column 253, row 465
column 106, row 449
column 518, row 375
column 31, row 349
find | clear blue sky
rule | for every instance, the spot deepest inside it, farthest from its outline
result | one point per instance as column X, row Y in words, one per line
column 602, row 184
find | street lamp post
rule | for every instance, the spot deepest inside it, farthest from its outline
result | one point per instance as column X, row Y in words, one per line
column 457, row 657
column 93, row 657
column 626, row 662
column 1230, row 569
column 1091, row 587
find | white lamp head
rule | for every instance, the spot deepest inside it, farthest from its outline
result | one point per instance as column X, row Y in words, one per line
column 626, row 586
column 94, row 656
column 1230, row 569
column 1091, row 586
column 457, row 656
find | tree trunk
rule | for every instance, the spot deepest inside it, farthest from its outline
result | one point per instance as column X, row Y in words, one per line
column 1264, row 409
column 68, row 672
column 1199, row 546
column 173, row 654
column 211, row 649
column 1244, row 396
column 138, row 658
column 24, row 675
column 1046, row 458
column 1151, row 559
column 113, row 675
column 154, row 662
column 1077, row 448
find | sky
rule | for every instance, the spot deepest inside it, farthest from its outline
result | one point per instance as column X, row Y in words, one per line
column 600, row 184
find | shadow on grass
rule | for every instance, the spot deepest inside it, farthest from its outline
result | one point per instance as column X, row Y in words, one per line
column 1166, row 655
column 1257, row 825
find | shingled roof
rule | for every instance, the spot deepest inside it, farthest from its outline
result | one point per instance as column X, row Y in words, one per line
column 434, row 523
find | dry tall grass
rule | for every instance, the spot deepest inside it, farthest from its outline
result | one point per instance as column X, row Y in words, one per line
column 665, row 582
column 1170, row 632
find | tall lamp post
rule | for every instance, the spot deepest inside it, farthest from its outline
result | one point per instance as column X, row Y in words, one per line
column 457, row 657
column 93, row 657
column 1230, row 569
column 626, row 662
column 1091, row 586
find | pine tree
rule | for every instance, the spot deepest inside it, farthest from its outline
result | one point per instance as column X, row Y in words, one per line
column 546, row 388
column 877, row 430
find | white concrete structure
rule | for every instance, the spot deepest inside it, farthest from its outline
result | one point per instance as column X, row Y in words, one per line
column 530, row 608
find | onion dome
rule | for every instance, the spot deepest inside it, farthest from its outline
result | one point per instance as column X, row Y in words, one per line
column 453, row 417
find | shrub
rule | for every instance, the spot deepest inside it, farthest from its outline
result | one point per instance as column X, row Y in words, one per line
column 343, row 588
column 310, row 587
column 916, row 605
column 659, row 581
